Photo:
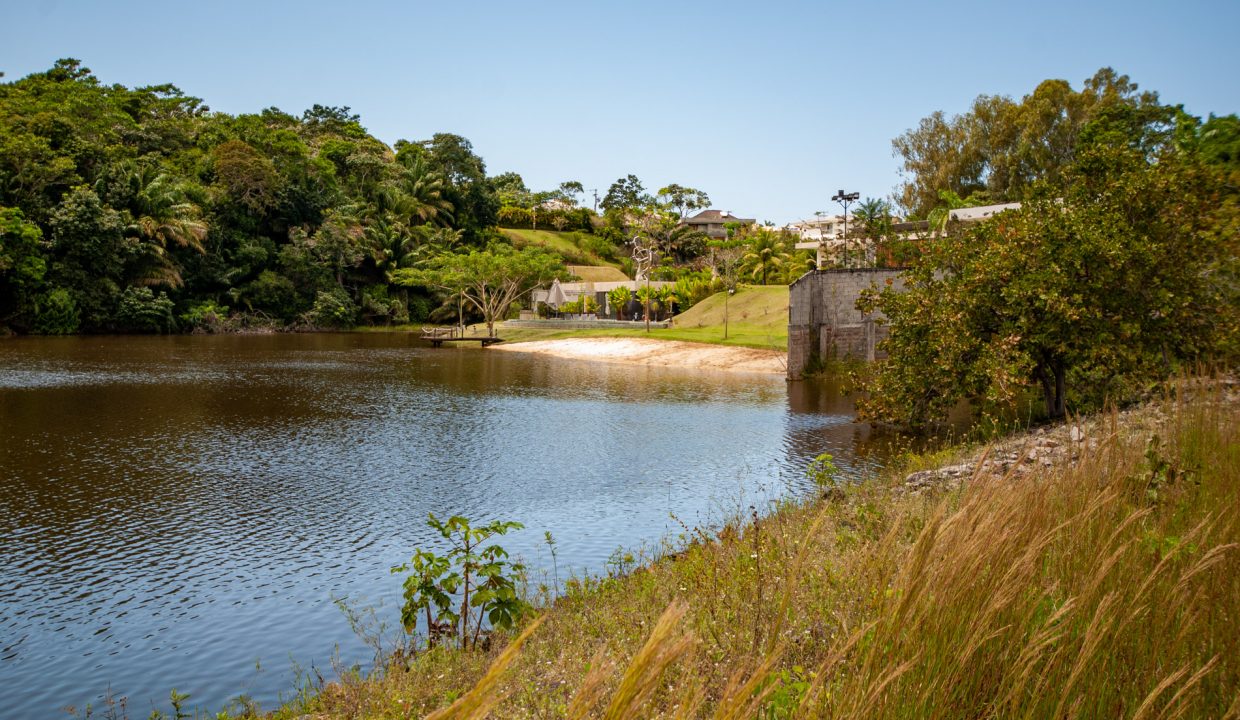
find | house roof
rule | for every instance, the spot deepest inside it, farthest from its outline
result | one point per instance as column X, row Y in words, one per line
column 717, row 216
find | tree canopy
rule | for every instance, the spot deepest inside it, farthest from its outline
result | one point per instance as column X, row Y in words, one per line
column 1002, row 147
column 106, row 190
column 1120, row 266
column 490, row 280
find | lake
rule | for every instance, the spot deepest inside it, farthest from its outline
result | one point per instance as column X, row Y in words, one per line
column 179, row 512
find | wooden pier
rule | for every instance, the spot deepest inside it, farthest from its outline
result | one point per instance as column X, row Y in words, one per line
column 439, row 336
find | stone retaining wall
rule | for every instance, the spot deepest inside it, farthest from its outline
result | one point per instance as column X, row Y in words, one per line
column 823, row 319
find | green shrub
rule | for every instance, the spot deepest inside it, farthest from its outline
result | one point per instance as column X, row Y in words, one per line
column 273, row 294
column 206, row 315
column 333, row 309
column 141, row 311
column 56, row 313
column 618, row 298
column 418, row 309
column 473, row 573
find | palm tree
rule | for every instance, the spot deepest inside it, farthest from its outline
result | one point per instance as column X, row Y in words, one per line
column 764, row 255
column 160, row 216
column 874, row 219
column 421, row 194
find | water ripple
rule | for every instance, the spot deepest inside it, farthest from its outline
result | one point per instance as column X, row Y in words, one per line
column 176, row 510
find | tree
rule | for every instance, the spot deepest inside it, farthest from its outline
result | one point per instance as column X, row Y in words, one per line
column 511, row 189
column 684, row 199
column 420, row 194
column 625, row 194
column 764, row 254
column 90, row 254
column 162, row 217
column 570, row 189
column 466, row 188
column 726, row 256
column 22, row 266
column 1004, row 147
column 1079, row 295
column 490, row 280
column 245, row 176
column 474, row 566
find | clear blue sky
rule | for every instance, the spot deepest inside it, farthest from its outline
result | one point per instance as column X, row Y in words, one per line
column 768, row 106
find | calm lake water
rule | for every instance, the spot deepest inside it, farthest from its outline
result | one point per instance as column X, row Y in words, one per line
column 179, row 512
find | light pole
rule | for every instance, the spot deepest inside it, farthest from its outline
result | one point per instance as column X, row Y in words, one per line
column 844, row 198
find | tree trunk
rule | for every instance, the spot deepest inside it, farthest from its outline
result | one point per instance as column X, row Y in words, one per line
column 1061, row 390
column 1053, row 376
column 1048, row 388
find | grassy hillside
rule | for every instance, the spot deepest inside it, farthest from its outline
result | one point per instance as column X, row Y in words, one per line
column 1103, row 583
column 566, row 245
column 598, row 273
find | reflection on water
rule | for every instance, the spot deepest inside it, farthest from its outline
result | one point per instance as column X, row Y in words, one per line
column 176, row 509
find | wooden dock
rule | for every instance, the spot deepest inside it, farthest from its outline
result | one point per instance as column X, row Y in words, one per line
column 436, row 342
column 439, row 336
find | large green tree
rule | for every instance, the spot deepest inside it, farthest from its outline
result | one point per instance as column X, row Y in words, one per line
column 489, row 280
column 1003, row 147
column 22, row 266
column 1078, row 293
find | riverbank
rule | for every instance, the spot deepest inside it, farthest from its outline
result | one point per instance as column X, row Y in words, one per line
column 1090, row 569
column 651, row 352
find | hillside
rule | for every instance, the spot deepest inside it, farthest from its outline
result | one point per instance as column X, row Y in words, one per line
column 598, row 273
column 568, row 245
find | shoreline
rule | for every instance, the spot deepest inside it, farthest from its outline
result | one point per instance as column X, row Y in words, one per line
column 653, row 352
column 1069, row 490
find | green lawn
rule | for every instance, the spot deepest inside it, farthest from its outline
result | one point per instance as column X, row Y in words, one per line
column 598, row 273
column 757, row 317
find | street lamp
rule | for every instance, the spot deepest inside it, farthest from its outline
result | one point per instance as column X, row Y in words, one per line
column 844, row 198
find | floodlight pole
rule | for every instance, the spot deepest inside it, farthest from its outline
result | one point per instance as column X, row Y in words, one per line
column 844, row 198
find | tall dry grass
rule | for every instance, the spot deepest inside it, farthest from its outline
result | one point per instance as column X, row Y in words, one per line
column 1107, row 588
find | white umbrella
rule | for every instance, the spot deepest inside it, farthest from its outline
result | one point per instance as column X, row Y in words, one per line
column 556, row 296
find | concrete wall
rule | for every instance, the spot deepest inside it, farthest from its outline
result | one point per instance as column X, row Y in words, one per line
column 823, row 320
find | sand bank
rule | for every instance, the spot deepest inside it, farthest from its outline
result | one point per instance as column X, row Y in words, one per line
column 644, row 351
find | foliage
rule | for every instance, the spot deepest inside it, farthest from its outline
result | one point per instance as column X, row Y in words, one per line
column 1084, row 295
column 141, row 311
column 618, row 298
column 22, row 265
column 511, row 216
column 490, row 280
column 1003, row 147
column 207, row 316
column 333, row 309
column 765, row 254
column 56, row 313
column 693, row 289
column 474, row 573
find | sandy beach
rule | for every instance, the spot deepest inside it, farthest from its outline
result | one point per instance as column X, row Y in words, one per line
column 643, row 351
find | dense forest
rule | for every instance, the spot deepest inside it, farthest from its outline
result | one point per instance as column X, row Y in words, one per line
column 141, row 210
